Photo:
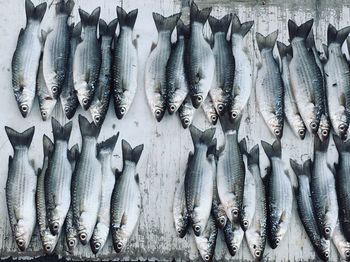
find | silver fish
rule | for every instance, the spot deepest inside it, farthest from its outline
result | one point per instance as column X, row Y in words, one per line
column 20, row 188
column 25, row 60
column 210, row 112
column 243, row 76
column 249, row 201
column 100, row 101
column 86, row 182
column 100, row 234
column 206, row 242
column 341, row 244
column 126, row 198
column 186, row 112
column 125, row 63
column 180, row 214
column 201, row 63
column 87, row 59
column 56, row 49
column 233, row 234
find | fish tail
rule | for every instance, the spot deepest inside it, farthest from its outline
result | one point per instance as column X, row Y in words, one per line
column 335, row 36
column 35, row 13
column 273, row 150
column 88, row 129
column 310, row 40
column 108, row 144
column 61, row 132
column 199, row 137
column 131, row 154
column 283, row 49
column 220, row 25
column 266, row 42
column 107, row 30
column 48, row 146
column 197, row 15
column 319, row 145
column 76, row 32
column 299, row 31
column 342, row 146
column 127, row 19
column 182, row 29
column 20, row 139
column 301, row 169
column 63, row 7
column 89, row 20
column 165, row 23
column 238, row 28
column 73, row 153
column 253, row 156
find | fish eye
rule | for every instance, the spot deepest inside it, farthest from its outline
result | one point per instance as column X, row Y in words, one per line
column 342, row 127
column 97, row 118
column 66, row 109
column 199, row 99
column 313, row 125
column 277, row 132
column 301, row 132
column 325, row 133
column 234, row 248
column 172, row 108
column 245, row 223
column 186, row 121
column 97, row 245
column 327, row 230
column 43, row 114
column 119, row 245
column 347, row 253
column 20, row 242
column 158, row 112
column 222, row 220
column 326, row 254
column 234, row 114
column 71, row 243
column 197, row 228
column 235, row 212
column 24, row 108
column 179, row 230
column 213, row 118
column 206, row 257
column 85, row 101
column 54, row 89
column 257, row 253
column 82, row 236
column 47, row 247
column 220, row 107
column 122, row 110
column 55, row 226
column 277, row 241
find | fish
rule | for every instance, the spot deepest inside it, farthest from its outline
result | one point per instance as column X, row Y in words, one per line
column 243, row 75
column 125, row 65
column 101, row 231
column 207, row 241
column 71, row 233
column 231, row 171
column 126, row 198
column 209, row 110
column 25, row 60
column 155, row 72
column 87, row 59
column 337, row 74
column 233, row 235
column 341, row 244
column 249, row 201
column 256, row 233
column 100, row 101
column 48, row 240
column 269, row 85
column 199, row 178
column 200, row 61
column 86, row 182
column 56, row 49
column 68, row 96
column 279, row 194
column 305, row 208
column 222, row 84
column 180, row 215
column 20, row 187
column 176, row 77
column 186, row 112
column 306, row 77
column 291, row 110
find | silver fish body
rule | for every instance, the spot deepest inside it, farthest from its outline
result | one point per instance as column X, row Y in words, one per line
column 207, row 241
column 186, row 112
column 179, row 211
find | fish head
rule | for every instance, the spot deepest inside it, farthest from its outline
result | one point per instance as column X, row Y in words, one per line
column 181, row 227
column 234, row 214
column 72, row 241
column 342, row 130
column 276, row 127
column 159, row 113
column 55, row 227
column 204, row 248
column 98, row 237
column 24, row 99
column 302, row 133
column 172, row 108
column 22, row 235
column 120, row 238
column 327, row 231
column 213, row 118
column 314, row 126
column 197, row 99
column 96, row 113
column 49, row 241
column 221, row 221
column 244, row 224
column 85, row 95
column 70, row 105
column 83, row 235
column 122, row 108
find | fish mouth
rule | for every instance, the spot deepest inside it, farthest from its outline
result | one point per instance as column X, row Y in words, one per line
column 159, row 114
column 196, row 100
column 83, row 238
column 301, row 133
column 120, row 112
column 21, row 243
column 24, row 109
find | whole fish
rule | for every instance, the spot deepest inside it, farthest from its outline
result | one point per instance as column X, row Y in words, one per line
column 25, row 60
column 305, row 209
column 68, row 96
column 186, row 112
column 243, row 76
column 56, row 49
column 126, row 198
column 209, row 110
column 100, row 101
column 279, row 194
column 155, row 74
column 100, row 234
column 20, row 188
column 269, row 85
column 125, row 63
column 86, row 182
column 290, row 106
column 200, row 63
column 233, row 234
column 337, row 74
column 176, row 77
column 306, row 77
column 341, row 244
column 206, row 242
column 87, row 59
column 323, row 190
column 256, row 233
column 199, row 179
column 180, row 214
column 231, row 172
column 249, row 201
column 222, row 84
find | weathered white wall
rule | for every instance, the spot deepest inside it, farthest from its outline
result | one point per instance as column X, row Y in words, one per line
column 166, row 144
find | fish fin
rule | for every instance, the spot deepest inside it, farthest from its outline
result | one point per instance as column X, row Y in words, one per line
column 165, row 23
column 335, row 36
column 220, row 25
column 48, row 146
column 124, row 219
column 134, row 42
column 88, row 129
column 283, row 217
column 240, row 29
column 227, row 124
column 220, row 149
column 131, row 154
column 76, row 30
column 108, row 144
column 212, row 148
column 310, row 40
column 243, row 146
column 197, row 15
column 89, row 19
column 331, row 168
column 299, row 31
column 199, row 137
column 273, row 150
column 266, row 42
column 127, row 19
column 284, row 50
column 20, row 139
column 253, row 156
column 64, row 8
column 137, row 178
column 319, row 145
column 153, row 46
column 73, row 153
column 32, row 163
column 325, row 49
column 61, row 132
column 10, row 162
column 38, row 171
column 182, row 29
column 102, row 27
column 342, row 146
column 35, row 12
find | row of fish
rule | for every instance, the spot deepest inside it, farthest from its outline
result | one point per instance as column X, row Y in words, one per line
column 222, row 191
column 76, row 194
column 69, row 63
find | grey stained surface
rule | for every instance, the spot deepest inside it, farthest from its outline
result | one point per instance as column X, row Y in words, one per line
column 167, row 144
